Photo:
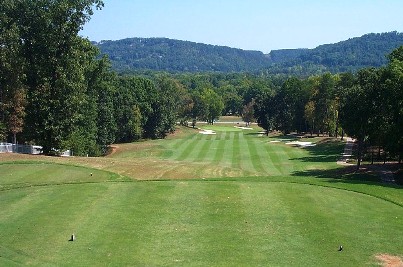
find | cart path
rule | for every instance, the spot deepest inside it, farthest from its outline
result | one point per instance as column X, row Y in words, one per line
column 385, row 175
column 347, row 154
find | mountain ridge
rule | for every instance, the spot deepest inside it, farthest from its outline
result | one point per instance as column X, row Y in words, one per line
column 164, row 54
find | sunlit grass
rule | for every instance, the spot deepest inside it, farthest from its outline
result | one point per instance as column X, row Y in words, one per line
column 229, row 199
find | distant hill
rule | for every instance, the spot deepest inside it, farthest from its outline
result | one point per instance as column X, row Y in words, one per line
column 369, row 50
column 164, row 54
column 173, row 55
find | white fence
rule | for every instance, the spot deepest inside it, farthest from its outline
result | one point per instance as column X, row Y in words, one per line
column 6, row 148
column 21, row 149
column 27, row 149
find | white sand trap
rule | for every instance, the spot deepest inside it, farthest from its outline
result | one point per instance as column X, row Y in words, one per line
column 207, row 132
column 243, row 128
column 275, row 141
column 301, row 144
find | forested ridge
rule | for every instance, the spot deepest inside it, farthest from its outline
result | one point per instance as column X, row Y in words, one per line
column 58, row 91
column 164, row 54
column 369, row 50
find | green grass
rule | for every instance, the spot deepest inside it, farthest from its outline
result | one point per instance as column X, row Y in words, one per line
column 293, row 209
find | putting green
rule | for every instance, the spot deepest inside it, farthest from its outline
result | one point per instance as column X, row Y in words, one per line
column 202, row 223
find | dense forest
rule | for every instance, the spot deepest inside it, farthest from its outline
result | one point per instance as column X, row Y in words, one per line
column 162, row 54
column 57, row 91
column 369, row 50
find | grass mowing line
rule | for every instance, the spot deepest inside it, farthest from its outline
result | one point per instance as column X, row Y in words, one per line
column 221, row 208
column 187, row 149
column 279, row 239
column 197, row 149
column 291, row 153
column 283, row 161
column 272, row 160
column 254, row 155
column 247, row 164
column 236, row 151
column 228, row 135
column 180, row 141
column 214, row 180
column 205, row 149
column 8, row 254
column 121, row 225
column 180, row 147
column 125, row 179
column 220, row 149
column 233, row 179
column 145, row 237
column 182, row 226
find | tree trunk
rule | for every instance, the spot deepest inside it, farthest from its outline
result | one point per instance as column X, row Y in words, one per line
column 337, row 128
column 359, row 154
column 14, row 138
column 379, row 152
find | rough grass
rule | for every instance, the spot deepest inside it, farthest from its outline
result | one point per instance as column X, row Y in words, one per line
column 232, row 199
column 231, row 152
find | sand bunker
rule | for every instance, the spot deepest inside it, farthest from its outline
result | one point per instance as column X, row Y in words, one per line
column 243, row 128
column 389, row 260
column 207, row 132
column 301, row 144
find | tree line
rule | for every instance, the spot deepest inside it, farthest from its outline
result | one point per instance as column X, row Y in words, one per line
column 367, row 105
column 162, row 54
column 55, row 90
column 58, row 92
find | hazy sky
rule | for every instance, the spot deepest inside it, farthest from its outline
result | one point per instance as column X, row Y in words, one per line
column 248, row 24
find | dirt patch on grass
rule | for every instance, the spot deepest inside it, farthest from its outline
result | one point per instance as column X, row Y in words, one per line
column 389, row 260
column 111, row 150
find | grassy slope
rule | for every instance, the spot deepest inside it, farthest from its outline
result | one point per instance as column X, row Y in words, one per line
column 256, row 220
column 196, row 222
column 229, row 153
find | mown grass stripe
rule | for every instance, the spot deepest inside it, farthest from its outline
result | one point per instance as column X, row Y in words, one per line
column 292, row 154
column 282, row 161
column 187, row 149
column 177, row 143
column 236, row 151
column 245, row 155
column 220, row 149
column 272, row 160
column 254, row 155
column 222, row 208
column 204, row 149
column 195, row 152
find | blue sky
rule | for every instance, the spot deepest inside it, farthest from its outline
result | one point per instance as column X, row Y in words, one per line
column 261, row 25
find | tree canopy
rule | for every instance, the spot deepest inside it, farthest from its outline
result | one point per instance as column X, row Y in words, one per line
column 57, row 91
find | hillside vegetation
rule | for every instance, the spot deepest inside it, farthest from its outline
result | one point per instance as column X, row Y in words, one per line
column 173, row 55
column 164, row 54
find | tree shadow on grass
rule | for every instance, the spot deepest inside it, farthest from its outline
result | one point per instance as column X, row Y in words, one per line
column 348, row 175
column 254, row 134
column 328, row 150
